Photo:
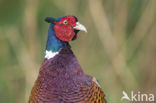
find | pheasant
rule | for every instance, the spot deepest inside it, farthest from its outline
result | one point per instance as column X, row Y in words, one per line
column 61, row 79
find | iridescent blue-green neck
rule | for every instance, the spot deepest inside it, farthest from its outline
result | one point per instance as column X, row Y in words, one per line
column 53, row 43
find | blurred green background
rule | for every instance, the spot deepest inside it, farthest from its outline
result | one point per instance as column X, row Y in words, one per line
column 119, row 48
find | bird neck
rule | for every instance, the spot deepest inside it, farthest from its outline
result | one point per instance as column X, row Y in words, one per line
column 54, row 45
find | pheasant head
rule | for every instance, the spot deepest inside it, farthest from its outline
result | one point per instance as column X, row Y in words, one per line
column 66, row 28
column 61, row 31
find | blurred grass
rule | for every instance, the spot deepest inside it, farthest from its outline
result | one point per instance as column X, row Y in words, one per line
column 119, row 49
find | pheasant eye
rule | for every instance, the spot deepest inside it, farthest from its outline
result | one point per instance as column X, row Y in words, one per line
column 65, row 22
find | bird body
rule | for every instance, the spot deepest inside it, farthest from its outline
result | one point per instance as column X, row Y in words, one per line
column 61, row 78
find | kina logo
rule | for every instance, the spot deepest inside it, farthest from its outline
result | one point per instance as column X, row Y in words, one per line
column 138, row 97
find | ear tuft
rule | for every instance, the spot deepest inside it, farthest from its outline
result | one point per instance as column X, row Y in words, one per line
column 50, row 20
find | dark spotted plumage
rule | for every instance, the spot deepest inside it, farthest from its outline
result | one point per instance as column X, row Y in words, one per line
column 61, row 80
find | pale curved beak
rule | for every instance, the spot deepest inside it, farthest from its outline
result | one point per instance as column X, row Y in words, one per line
column 80, row 27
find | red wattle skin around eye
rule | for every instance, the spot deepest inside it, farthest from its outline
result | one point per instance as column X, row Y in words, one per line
column 64, row 32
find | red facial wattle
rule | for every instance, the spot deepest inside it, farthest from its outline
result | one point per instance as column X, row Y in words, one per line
column 65, row 32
